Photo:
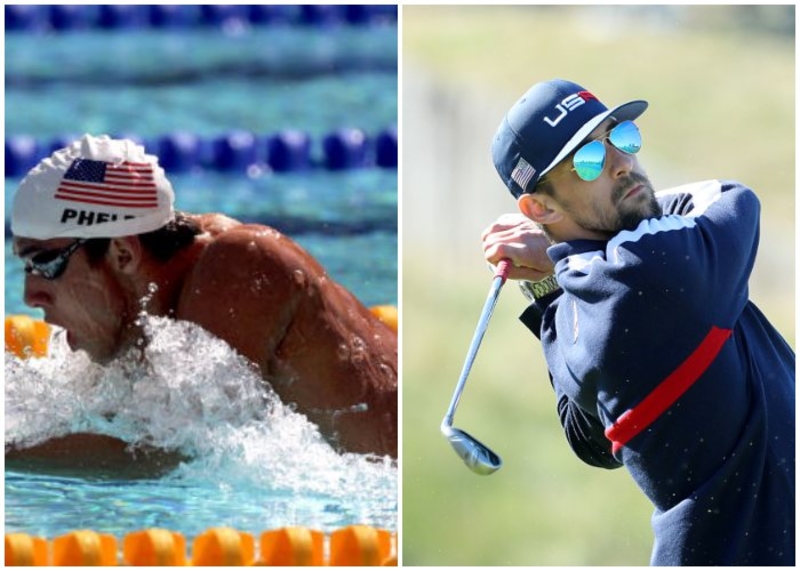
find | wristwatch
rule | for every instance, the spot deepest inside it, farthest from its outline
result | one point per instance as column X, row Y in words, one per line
column 537, row 290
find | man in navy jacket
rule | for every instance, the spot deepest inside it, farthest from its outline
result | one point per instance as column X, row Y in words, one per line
column 659, row 360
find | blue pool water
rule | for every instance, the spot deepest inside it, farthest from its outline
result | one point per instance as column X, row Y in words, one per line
column 253, row 469
column 255, row 464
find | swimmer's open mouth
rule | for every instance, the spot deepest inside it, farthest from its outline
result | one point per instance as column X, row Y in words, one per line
column 61, row 333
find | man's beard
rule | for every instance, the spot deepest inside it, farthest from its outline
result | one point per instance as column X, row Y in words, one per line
column 628, row 216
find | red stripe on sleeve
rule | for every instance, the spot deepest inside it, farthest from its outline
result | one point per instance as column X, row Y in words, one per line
column 633, row 421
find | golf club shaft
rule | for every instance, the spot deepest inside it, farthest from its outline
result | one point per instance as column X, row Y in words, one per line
column 500, row 276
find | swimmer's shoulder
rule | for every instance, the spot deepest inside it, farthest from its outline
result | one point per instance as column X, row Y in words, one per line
column 233, row 265
column 229, row 237
column 230, row 245
column 214, row 223
column 222, row 229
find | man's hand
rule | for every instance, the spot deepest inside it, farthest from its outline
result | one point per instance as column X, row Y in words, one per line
column 519, row 239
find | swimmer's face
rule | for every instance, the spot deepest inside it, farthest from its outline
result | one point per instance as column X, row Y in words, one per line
column 85, row 299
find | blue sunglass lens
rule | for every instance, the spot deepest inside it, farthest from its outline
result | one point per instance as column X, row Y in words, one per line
column 626, row 137
column 589, row 160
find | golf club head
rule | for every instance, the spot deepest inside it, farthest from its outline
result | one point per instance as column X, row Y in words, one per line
column 476, row 455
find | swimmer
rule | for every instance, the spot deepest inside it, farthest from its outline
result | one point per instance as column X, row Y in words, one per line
column 97, row 230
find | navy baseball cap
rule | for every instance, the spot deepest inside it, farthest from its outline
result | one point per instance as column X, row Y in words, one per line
column 545, row 126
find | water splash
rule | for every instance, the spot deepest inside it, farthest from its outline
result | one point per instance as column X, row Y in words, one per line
column 189, row 391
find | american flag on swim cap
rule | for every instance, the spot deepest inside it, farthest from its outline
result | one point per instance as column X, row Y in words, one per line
column 126, row 185
column 96, row 187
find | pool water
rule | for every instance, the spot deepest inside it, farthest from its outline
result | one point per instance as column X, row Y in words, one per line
column 253, row 467
column 254, row 463
column 204, row 82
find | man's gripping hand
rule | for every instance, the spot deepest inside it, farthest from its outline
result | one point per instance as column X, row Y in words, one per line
column 516, row 237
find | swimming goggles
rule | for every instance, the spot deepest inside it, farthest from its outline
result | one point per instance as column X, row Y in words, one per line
column 589, row 160
column 51, row 263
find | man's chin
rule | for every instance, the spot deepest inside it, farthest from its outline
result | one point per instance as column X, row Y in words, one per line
column 94, row 353
column 648, row 208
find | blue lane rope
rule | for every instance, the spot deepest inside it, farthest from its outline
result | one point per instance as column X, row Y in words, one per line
column 67, row 18
column 289, row 150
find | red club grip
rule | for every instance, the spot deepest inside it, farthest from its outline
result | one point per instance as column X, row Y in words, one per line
column 503, row 267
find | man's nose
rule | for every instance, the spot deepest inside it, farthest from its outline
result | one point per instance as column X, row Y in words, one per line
column 35, row 293
column 620, row 162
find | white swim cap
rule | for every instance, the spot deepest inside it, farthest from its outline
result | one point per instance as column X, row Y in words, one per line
column 97, row 187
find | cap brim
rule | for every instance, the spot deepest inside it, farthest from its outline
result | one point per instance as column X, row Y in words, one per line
column 625, row 112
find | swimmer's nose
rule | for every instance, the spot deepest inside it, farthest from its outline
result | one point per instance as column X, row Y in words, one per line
column 36, row 294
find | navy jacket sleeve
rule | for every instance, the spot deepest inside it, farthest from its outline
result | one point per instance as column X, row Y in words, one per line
column 584, row 431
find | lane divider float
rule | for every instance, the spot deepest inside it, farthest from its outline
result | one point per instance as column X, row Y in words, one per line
column 62, row 18
column 235, row 151
column 26, row 336
column 354, row 545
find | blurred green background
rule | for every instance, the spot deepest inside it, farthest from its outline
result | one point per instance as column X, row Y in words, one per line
column 721, row 85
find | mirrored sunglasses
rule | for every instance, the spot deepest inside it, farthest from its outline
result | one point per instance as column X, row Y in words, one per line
column 589, row 160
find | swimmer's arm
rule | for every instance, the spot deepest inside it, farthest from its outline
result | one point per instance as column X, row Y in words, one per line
column 93, row 454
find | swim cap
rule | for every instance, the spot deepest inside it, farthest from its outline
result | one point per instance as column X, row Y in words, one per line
column 97, row 187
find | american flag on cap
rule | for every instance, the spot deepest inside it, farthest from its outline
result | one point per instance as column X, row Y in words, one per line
column 523, row 173
column 125, row 185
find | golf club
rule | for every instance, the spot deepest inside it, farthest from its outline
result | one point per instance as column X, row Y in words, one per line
column 476, row 455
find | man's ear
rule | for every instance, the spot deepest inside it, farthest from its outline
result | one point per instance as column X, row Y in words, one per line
column 125, row 254
column 539, row 207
